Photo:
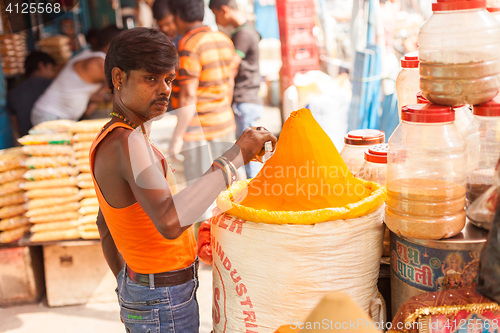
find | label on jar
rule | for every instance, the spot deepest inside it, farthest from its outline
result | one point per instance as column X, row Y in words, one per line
column 431, row 269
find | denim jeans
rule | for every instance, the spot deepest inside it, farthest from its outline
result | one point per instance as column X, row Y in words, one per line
column 246, row 115
column 158, row 310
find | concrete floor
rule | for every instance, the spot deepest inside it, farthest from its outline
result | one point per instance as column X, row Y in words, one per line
column 91, row 317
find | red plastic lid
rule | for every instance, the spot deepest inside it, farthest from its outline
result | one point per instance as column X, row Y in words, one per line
column 493, row 9
column 377, row 153
column 427, row 113
column 410, row 60
column 421, row 99
column 363, row 137
column 442, row 5
column 488, row 109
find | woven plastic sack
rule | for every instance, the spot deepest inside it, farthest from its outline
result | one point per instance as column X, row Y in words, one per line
column 62, row 225
column 54, row 192
column 13, row 223
column 52, row 201
column 53, row 126
column 88, row 219
column 84, row 168
column 62, row 216
column 48, row 150
column 15, row 198
column 48, row 162
column 82, row 154
column 13, row 234
column 49, row 183
column 11, row 175
column 89, row 202
column 88, row 193
column 84, row 136
column 89, row 126
column 50, row 173
column 11, row 158
column 85, row 146
column 269, row 274
column 54, row 235
column 87, row 210
column 46, row 139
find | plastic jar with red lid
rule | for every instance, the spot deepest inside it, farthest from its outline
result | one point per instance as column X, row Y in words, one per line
column 407, row 82
column 483, row 148
column 356, row 143
column 459, row 53
column 426, row 174
column 374, row 168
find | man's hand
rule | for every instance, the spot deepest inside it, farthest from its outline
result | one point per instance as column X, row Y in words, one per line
column 252, row 141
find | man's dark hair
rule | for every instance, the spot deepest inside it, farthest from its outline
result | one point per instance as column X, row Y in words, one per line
column 140, row 48
column 34, row 59
column 106, row 35
column 188, row 10
column 161, row 9
column 217, row 4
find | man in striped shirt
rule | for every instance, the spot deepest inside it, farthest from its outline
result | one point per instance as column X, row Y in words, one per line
column 202, row 91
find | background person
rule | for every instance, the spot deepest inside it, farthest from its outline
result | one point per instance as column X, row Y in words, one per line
column 246, row 104
column 145, row 226
column 39, row 72
column 79, row 86
column 165, row 21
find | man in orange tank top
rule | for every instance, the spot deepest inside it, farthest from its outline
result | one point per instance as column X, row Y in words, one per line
column 145, row 226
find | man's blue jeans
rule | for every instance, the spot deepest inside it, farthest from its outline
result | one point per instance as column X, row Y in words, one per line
column 158, row 310
column 246, row 115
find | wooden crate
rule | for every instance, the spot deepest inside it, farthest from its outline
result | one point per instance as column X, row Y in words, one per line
column 21, row 275
column 77, row 273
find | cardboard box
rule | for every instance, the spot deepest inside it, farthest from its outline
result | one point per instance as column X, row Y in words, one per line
column 77, row 273
column 21, row 275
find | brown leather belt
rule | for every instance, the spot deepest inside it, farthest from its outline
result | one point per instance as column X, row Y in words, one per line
column 166, row 279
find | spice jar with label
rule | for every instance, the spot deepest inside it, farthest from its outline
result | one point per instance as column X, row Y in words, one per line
column 407, row 82
column 356, row 143
column 483, row 148
column 426, row 174
column 459, row 53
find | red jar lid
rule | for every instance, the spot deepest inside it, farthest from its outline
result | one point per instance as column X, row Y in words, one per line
column 410, row 60
column 493, row 9
column 488, row 109
column 377, row 153
column 442, row 5
column 427, row 113
column 421, row 99
column 363, row 137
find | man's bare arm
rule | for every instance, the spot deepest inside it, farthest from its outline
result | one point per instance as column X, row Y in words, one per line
column 113, row 257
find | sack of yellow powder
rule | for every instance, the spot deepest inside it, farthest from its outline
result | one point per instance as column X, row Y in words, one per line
column 52, row 126
column 13, row 235
column 50, row 173
column 89, row 126
column 37, row 193
column 11, row 158
column 48, row 162
column 46, row 139
column 48, row 150
column 310, row 219
column 11, row 175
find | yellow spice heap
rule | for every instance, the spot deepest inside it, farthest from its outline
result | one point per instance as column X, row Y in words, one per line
column 306, row 172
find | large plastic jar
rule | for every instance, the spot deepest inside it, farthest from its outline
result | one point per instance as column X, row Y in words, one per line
column 374, row 168
column 426, row 174
column 356, row 143
column 483, row 148
column 407, row 82
column 463, row 115
column 459, row 52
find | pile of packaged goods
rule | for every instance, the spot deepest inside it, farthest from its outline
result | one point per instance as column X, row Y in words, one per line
column 13, row 223
column 59, row 47
column 13, row 52
column 84, row 133
column 51, row 182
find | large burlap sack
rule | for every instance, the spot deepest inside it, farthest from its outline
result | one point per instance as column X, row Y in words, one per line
column 271, row 267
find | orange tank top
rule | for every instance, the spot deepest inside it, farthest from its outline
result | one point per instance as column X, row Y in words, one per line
column 144, row 249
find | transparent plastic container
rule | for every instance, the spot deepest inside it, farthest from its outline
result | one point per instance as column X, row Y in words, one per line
column 459, row 52
column 374, row 168
column 407, row 82
column 426, row 174
column 483, row 148
column 356, row 143
column 463, row 115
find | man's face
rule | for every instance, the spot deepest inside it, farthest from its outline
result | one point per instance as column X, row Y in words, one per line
column 167, row 26
column 46, row 70
column 220, row 16
column 147, row 94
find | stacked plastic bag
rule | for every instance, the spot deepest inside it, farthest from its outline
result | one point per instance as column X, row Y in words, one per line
column 13, row 223
column 13, row 51
column 59, row 47
column 84, row 133
column 50, row 182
